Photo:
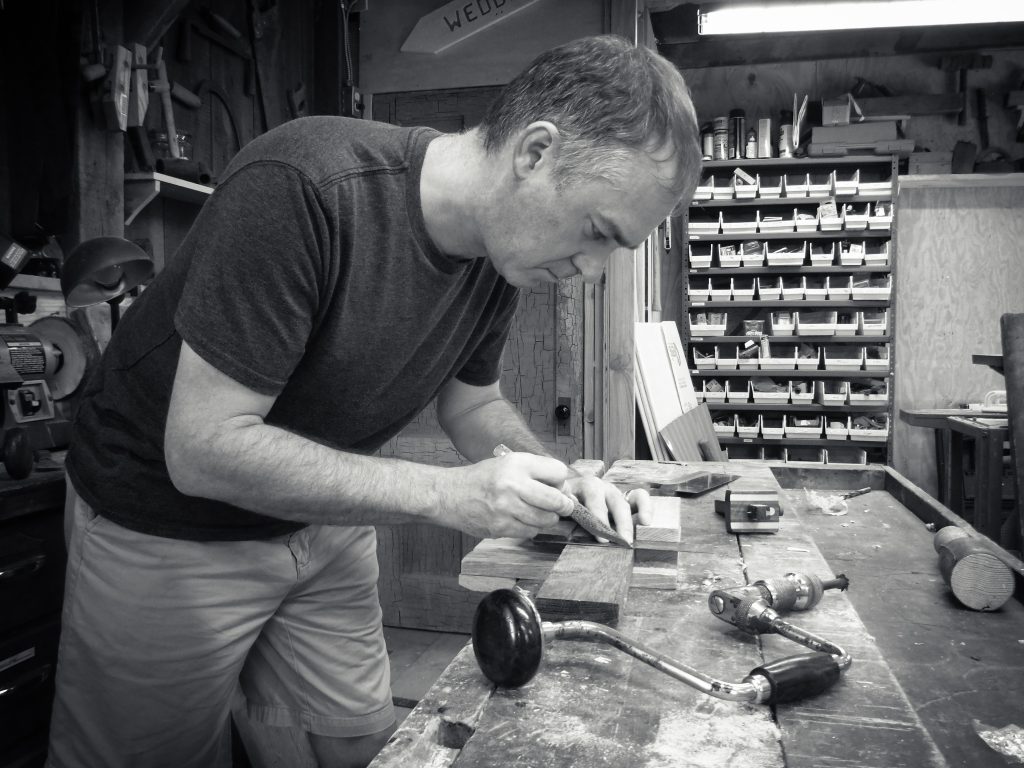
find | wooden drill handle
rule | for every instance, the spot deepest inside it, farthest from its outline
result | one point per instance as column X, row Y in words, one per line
column 978, row 578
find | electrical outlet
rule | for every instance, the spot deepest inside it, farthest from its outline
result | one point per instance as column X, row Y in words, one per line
column 351, row 101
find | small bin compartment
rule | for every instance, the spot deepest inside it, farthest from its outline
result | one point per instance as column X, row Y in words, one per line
column 846, row 455
column 815, row 288
column 748, row 357
column 712, row 391
column 805, row 221
column 752, row 253
column 845, row 181
column 821, row 323
column 786, row 254
column 727, row 359
column 873, row 322
column 724, row 424
column 846, row 323
column 876, row 254
column 819, row 183
column 837, row 428
column 748, row 424
column 782, row 323
column 723, row 189
column 705, row 188
column 831, row 392
column 721, row 288
column 704, row 223
column 855, row 216
column 780, row 357
column 699, row 289
column 842, row 357
column 872, row 288
column 840, row 288
column 869, row 391
column 881, row 216
column 796, row 184
column 804, row 425
column 876, row 358
column 704, row 360
column 743, row 289
column 770, row 289
column 739, row 221
column 708, row 323
column 766, row 390
column 700, row 255
column 808, row 357
column 776, row 222
column 804, row 454
column 801, row 392
column 769, row 184
column 822, row 254
column 830, row 217
column 792, row 288
column 736, row 393
column 851, row 254
column 729, row 255
column 773, row 426
column 874, row 426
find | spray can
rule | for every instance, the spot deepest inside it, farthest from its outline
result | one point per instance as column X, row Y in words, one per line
column 737, row 133
column 786, row 134
column 751, row 143
column 721, row 138
column 707, row 142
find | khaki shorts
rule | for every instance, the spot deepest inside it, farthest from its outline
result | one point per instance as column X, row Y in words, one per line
column 157, row 633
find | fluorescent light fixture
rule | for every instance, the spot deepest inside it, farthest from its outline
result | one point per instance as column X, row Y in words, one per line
column 749, row 19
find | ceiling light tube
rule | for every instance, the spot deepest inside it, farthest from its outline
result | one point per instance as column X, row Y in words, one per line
column 853, row 14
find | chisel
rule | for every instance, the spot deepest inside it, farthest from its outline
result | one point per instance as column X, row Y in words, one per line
column 583, row 517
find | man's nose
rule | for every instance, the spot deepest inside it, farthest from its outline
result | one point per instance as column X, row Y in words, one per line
column 591, row 264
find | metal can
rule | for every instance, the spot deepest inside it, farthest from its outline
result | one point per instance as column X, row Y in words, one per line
column 737, row 133
column 721, row 138
column 707, row 142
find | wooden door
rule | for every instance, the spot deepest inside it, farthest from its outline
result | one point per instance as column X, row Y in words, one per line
column 542, row 368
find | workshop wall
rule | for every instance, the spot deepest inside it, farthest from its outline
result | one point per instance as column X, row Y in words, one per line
column 490, row 57
column 764, row 90
column 958, row 269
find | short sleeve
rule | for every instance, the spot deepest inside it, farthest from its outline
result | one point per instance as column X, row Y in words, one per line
column 484, row 364
column 255, row 282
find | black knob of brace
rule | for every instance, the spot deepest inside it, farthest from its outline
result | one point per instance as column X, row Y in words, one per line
column 508, row 639
column 562, row 412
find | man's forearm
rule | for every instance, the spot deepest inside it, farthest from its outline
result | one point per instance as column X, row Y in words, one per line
column 269, row 470
column 476, row 432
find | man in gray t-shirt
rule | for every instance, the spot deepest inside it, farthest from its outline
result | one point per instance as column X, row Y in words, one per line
column 343, row 275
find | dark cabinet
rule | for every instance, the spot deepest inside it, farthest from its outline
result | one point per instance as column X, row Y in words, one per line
column 32, row 562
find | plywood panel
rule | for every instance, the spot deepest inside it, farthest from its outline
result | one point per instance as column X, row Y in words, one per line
column 958, row 269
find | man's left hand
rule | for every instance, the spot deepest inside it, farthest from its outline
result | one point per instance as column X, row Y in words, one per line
column 609, row 504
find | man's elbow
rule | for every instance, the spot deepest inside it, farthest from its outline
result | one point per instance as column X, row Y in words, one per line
column 184, row 465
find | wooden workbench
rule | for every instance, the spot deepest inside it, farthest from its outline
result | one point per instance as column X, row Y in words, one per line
column 926, row 674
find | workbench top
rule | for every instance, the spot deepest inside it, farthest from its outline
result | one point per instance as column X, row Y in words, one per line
column 927, row 674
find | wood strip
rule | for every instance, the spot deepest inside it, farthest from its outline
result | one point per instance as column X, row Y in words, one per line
column 588, row 583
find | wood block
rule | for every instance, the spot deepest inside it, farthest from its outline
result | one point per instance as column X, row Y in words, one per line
column 691, row 437
column 588, row 583
column 655, row 576
column 508, row 558
column 659, row 541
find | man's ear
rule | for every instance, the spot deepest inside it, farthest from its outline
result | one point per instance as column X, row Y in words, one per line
column 536, row 149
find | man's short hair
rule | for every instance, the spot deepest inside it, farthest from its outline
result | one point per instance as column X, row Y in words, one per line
column 609, row 99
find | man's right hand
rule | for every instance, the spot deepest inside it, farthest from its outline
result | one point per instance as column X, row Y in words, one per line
column 514, row 495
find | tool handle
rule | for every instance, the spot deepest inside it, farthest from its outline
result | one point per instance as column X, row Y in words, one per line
column 797, row 677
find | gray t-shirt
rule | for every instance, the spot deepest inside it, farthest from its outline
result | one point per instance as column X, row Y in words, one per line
column 308, row 275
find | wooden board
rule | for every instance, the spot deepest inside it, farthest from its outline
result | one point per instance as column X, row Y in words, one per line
column 588, row 583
